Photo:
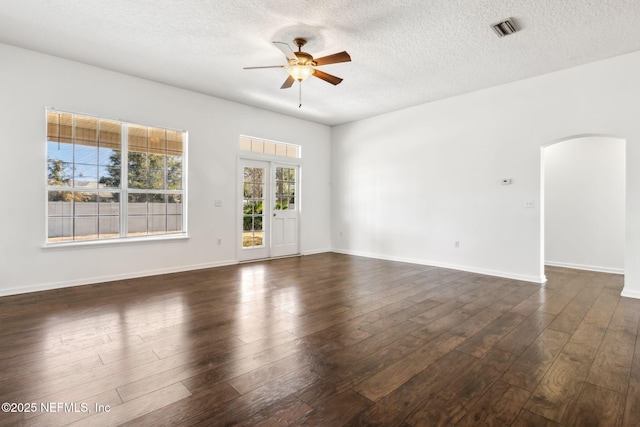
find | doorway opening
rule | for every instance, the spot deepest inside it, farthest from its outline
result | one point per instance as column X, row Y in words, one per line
column 583, row 197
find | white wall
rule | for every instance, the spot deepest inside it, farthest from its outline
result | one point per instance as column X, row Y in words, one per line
column 29, row 82
column 404, row 185
column 408, row 184
column 584, row 202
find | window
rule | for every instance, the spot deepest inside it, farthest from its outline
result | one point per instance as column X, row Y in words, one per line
column 108, row 179
column 273, row 148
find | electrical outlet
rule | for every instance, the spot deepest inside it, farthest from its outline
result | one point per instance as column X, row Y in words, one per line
column 456, row 244
column 529, row 203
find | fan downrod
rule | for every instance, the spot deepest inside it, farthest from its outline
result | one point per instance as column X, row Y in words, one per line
column 299, row 42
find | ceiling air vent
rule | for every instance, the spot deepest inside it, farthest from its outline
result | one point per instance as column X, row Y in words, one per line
column 505, row 28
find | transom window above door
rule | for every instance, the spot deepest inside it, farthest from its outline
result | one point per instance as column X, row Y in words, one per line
column 272, row 148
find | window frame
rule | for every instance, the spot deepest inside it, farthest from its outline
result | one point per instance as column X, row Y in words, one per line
column 124, row 190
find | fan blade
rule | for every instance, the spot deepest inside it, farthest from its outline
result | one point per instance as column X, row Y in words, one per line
column 287, row 83
column 327, row 77
column 333, row 59
column 286, row 49
column 267, row 66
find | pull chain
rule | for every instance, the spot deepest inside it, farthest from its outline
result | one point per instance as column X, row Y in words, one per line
column 300, row 94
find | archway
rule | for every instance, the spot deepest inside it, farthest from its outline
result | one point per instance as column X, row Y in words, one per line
column 583, row 181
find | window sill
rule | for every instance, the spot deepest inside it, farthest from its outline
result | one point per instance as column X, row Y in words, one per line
column 119, row 241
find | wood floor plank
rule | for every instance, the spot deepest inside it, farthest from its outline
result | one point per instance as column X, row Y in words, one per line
column 497, row 294
column 592, row 328
column 526, row 332
column 483, row 341
column 246, row 406
column 81, row 384
column 571, row 316
column 50, row 370
column 54, row 359
column 477, row 322
column 183, row 410
column 396, row 406
column 337, row 410
column 559, row 301
column 135, row 408
column 485, row 294
column 255, row 378
column 596, row 406
column 527, row 306
column 447, row 321
column 348, row 369
column 183, row 371
column 327, row 339
column 382, row 339
column 528, row 419
column 452, row 291
column 109, row 399
column 558, row 390
column 612, row 366
column 392, row 377
column 536, row 360
column 458, row 397
column 436, row 312
column 632, row 405
column 499, row 406
column 400, row 316
column 282, row 413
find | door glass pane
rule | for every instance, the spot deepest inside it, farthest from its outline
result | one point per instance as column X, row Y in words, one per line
column 253, row 202
column 285, row 196
column 284, row 190
column 258, row 238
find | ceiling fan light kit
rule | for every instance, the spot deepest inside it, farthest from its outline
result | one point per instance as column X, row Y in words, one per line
column 301, row 65
column 300, row 72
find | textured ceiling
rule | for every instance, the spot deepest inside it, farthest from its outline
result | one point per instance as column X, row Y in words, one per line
column 404, row 52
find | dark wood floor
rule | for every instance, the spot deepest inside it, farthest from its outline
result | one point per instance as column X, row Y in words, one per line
column 325, row 340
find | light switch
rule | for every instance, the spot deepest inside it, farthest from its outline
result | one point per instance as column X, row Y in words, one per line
column 218, row 203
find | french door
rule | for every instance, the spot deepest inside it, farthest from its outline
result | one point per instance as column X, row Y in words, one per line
column 269, row 210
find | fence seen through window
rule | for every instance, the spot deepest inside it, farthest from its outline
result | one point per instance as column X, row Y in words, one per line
column 108, row 179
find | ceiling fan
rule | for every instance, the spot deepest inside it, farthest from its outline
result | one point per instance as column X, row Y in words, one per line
column 301, row 65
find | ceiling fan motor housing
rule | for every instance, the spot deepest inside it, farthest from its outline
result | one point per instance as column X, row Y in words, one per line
column 303, row 58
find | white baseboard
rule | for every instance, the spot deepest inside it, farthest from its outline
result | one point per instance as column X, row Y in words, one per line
column 111, row 278
column 316, row 251
column 630, row 294
column 503, row 274
column 595, row 268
